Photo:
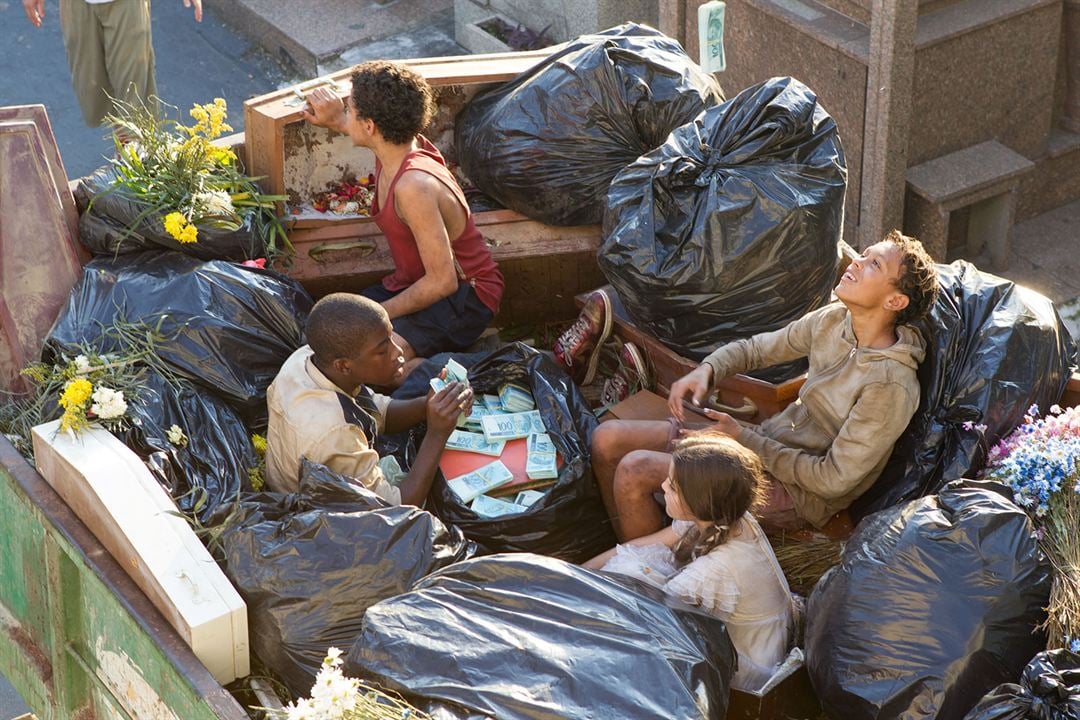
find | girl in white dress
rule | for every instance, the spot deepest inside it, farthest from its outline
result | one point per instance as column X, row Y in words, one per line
column 714, row 555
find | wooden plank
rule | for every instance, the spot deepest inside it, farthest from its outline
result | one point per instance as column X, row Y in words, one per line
column 116, row 497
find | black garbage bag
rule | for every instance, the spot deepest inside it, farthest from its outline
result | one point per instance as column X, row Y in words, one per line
column 733, row 226
column 1048, row 690
column 993, row 349
column 310, row 563
column 523, row 636
column 107, row 226
column 934, row 603
column 211, row 468
column 548, row 143
column 569, row 522
column 225, row 326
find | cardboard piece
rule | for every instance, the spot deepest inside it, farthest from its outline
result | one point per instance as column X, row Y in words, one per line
column 110, row 489
column 40, row 255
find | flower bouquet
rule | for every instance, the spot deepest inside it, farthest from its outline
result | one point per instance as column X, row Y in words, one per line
column 1040, row 462
column 336, row 697
column 170, row 184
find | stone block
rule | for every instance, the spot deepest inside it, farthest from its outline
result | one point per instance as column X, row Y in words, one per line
column 981, row 181
column 984, row 70
column 1056, row 178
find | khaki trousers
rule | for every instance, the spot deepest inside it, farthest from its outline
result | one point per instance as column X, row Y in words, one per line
column 110, row 54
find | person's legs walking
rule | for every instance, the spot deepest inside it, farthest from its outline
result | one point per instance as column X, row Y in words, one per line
column 129, row 51
column 84, row 44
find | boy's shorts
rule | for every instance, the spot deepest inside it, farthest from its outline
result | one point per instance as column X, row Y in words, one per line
column 449, row 325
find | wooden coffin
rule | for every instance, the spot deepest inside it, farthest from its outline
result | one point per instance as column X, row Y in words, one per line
column 544, row 266
column 110, row 489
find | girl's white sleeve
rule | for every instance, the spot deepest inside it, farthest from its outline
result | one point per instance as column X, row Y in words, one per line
column 708, row 583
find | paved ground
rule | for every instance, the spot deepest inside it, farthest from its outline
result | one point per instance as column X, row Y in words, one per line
column 196, row 62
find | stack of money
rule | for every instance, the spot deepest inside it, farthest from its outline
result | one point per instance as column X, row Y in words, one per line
column 516, row 399
column 540, row 463
column 474, row 442
column 485, row 506
column 454, row 372
column 527, row 498
column 472, row 420
column 492, row 403
column 471, row 485
column 512, row 426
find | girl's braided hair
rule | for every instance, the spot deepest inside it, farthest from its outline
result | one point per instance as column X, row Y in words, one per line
column 718, row 480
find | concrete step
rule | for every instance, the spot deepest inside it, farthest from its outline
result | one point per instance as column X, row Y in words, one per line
column 315, row 37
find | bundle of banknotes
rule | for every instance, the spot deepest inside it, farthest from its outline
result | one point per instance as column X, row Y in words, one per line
column 540, row 462
column 486, row 506
column 473, row 484
column 512, row 426
column 455, row 371
column 475, row 442
column 515, row 399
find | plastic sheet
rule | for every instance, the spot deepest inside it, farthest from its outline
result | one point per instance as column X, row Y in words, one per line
column 1048, row 690
column 212, row 468
column 548, row 143
column 106, row 216
column 569, row 522
column 933, row 604
column 993, row 349
column 522, row 636
column 309, row 565
column 733, row 226
column 227, row 327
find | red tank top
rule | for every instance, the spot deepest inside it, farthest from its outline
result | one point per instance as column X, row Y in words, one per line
column 471, row 254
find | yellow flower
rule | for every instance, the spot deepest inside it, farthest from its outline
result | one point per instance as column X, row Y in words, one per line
column 189, row 234
column 259, row 442
column 72, row 421
column 76, row 393
column 174, row 224
column 209, row 119
column 221, row 155
column 255, row 477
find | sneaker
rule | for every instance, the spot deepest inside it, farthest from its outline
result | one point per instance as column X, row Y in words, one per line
column 578, row 349
column 631, row 376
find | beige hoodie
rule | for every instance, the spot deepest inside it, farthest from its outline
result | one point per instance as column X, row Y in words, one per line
column 829, row 446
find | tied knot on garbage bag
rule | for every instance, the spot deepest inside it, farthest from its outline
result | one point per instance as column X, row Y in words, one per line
column 1049, row 690
column 732, row 227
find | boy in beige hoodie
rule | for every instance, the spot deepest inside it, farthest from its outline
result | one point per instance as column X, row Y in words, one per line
column 826, row 448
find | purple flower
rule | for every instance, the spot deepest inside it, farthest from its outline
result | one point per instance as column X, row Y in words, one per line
column 968, row 425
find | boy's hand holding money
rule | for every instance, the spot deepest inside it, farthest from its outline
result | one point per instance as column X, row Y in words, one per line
column 444, row 407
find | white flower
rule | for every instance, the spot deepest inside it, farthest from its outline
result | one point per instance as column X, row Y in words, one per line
column 333, row 657
column 108, row 403
column 215, row 202
column 82, row 364
column 176, row 436
column 302, row 710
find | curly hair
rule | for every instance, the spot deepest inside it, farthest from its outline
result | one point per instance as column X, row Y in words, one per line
column 396, row 99
column 918, row 277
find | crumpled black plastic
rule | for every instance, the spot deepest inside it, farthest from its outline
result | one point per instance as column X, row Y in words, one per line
column 211, row 469
column 570, row 521
column 523, row 636
column 733, row 226
column 309, row 564
column 1048, row 690
column 548, row 143
column 106, row 215
column 934, row 603
column 227, row 327
column 993, row 349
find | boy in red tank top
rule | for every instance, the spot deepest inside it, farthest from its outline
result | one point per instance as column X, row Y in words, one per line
column 445, row 287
